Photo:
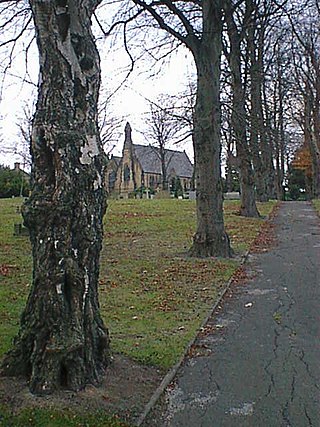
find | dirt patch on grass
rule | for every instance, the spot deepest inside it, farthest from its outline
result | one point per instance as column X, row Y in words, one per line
column 126, row 389
column 5, row 269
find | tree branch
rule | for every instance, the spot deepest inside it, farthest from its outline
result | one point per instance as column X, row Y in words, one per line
column 163, row 25
column 15, row 39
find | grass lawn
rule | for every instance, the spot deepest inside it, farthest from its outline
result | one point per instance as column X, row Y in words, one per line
column 316, row 204
column 153, row 298
column 43, row 418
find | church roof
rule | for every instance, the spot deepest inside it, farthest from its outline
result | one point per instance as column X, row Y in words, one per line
column 177, row 162
column 116, row 159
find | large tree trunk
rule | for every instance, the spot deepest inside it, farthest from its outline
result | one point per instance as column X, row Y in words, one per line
column 257, row 130
column 270, row 131
column 280, row 139
column 260, row 183
column 164, row 159
column 315, row 146
column 62, row 340
column 248, row 206
column 210, row 238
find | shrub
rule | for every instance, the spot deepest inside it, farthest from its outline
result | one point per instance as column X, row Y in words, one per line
column 13, row 183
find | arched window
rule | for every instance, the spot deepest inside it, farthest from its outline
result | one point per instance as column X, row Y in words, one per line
column 112, row 180
column 172, row 184
column 126, row 173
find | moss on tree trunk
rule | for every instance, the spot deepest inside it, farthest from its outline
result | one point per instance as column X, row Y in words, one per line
column 62, row 342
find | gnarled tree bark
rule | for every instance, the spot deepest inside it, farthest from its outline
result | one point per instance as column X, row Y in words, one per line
column 62, row 342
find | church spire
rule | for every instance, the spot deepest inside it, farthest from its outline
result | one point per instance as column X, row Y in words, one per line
column 127, row 138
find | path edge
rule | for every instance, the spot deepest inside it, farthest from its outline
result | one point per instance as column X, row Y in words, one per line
column 173, row 371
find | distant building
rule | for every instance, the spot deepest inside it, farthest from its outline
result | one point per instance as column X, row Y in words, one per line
column 17, row 168
column 140, row 168
column 25, row 179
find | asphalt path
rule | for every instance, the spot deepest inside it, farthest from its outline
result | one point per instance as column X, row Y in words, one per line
column 259, row 363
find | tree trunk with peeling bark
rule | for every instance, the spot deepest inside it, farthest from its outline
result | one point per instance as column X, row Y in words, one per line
column 62, row 342
column 210, row 238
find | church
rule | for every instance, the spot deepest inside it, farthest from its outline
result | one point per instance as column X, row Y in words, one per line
column 140, row 169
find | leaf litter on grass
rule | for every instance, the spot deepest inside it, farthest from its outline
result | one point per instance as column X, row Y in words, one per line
column 153, row 298
column 170, row 293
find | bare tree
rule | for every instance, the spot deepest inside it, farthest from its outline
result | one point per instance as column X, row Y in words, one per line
column 238, row 116
column 163, row 128
column 110, row 124
column 301, row 81
column 198, row 26
column 255, row 36
column 23, row 145
column 278, row 125
column 16, row 38
column 308, row 37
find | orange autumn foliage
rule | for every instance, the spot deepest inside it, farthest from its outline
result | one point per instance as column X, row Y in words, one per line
column 302, row 160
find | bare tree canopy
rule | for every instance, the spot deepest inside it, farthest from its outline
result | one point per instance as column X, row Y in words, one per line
column 198, row 25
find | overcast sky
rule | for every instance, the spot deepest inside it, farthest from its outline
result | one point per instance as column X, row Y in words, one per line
column 128, row 102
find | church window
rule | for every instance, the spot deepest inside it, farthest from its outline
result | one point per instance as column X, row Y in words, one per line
column 112, row 180
column 126, row 173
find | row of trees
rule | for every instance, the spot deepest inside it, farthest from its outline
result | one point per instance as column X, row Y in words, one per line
column 280, row 92
column 240, row 53
column 264, row 47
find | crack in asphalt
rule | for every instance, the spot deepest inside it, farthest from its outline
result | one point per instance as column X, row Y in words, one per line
column 293, row 385
column 285, row 415
column 307, row 367
column 286, row 386
column 307, row 416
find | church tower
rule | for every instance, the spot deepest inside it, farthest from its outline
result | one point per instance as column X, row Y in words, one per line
column 128, row 182
column 127, row 137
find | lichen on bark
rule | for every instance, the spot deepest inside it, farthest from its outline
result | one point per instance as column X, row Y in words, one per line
column 62, row 341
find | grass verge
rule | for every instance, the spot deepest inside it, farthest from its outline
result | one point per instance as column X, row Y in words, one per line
column 316, row 204
column 158, row 297
column 35, row 417
column 153, row 298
